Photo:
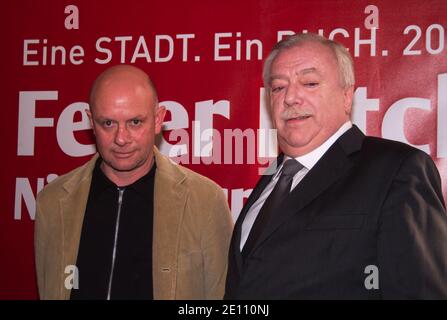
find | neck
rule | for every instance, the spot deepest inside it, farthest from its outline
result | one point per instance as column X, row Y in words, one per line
column 125, row 178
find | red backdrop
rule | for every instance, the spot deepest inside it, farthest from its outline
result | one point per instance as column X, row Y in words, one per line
column 205, row 58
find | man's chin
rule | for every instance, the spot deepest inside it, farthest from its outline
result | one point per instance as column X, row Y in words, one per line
column 295, row 147
column 123, row 166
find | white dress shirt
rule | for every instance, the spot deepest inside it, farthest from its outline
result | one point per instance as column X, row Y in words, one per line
column 308, row 161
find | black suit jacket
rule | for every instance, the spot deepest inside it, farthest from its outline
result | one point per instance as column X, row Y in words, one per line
column 367, row 202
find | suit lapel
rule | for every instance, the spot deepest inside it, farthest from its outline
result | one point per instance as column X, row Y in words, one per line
column 260, row 186
column 333, row 165
column 255, row 194
column 72, row 209
column 170, row 195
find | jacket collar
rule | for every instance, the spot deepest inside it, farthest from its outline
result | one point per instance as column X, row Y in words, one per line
column 170, row 197
column 72, row 210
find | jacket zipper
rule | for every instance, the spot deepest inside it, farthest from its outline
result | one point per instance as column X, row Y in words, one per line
column 117, row 225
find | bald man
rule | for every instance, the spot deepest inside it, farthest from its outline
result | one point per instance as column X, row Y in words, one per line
column 130, row 224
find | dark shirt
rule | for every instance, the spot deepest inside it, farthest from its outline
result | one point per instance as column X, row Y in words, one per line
column 132, row 269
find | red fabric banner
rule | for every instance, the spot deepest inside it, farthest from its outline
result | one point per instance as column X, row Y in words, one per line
column 205, row 58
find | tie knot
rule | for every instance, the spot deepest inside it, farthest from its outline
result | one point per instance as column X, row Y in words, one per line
column 290, row 167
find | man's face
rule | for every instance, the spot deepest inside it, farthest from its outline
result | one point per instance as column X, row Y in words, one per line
column 125, row 123
column 307, row 101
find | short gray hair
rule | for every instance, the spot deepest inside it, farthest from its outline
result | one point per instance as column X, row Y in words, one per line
column 344, row 60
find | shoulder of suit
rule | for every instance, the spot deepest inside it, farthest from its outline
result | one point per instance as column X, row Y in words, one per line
column 77, row 174
column 384, row 148
column 194, row 177
column 190, row 177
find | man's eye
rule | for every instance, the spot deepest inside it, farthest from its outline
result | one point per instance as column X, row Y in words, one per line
column 107, row 123
column 311, row 84
column 135, row 122
column 277, row 89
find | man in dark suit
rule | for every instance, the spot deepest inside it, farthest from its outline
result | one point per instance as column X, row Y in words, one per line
column 343, row 216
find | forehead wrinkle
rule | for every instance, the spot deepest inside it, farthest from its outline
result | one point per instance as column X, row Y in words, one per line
column 298, row 73
column 308, row 70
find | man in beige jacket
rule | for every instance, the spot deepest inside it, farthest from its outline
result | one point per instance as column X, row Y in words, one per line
column 130, row 224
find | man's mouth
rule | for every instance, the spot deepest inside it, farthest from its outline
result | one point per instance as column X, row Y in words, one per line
column 300, row 117
column 121, row 154
column 295, row 115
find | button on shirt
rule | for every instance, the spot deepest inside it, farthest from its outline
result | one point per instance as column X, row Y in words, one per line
column 308, row 161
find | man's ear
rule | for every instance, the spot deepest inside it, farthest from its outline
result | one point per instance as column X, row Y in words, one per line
column 90, row 118
column 269, row 106
column 348, row 99
column 160, row 112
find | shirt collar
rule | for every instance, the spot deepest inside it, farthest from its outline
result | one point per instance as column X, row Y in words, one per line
column 310, row 159
column 141, row 186
column 100, row 182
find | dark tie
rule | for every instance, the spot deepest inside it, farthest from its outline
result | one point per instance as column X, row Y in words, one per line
column 271, row 204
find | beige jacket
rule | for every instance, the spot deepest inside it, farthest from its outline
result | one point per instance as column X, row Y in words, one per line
column 192, row 230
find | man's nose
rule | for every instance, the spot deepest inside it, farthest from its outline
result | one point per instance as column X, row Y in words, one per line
column 122, row 136
column 293, row 96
